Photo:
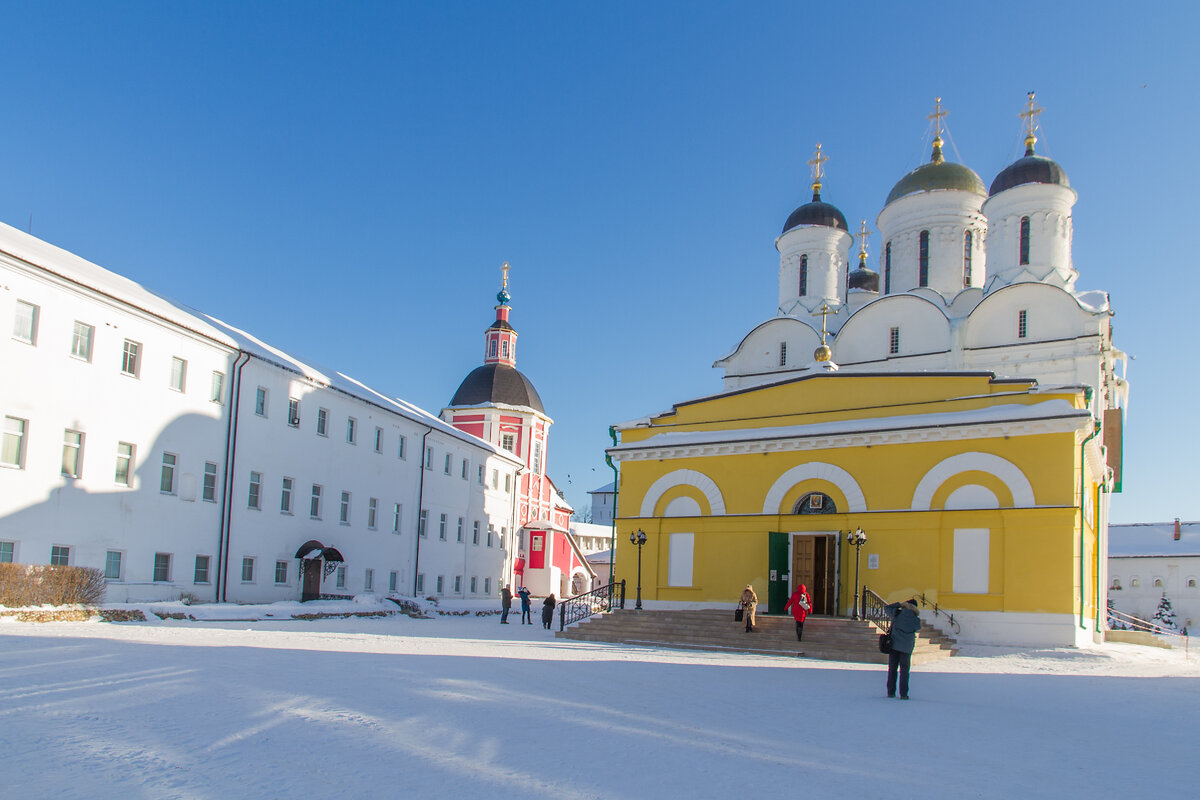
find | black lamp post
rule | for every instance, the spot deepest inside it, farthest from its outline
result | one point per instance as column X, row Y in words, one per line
column 639, row 538
column 858, row 539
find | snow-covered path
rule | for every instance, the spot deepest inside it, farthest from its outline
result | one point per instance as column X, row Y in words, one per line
column 462, row 707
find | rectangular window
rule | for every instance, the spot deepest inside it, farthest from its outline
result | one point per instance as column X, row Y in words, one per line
column 487, row 585
column 537, row 458
column 894, row 341
column 281, row 572
column 369, row 581
column 508, row 442
column 201, row 574
column 474, row 584
column 294, row 412
column 475, row 532
column 209, row 490
column 314, row 505
column 428, row 458
column 162, row 567
column 131, row 358
column 440, row 583
column 783, row 354
column 344, row 511
column 393, row 576
column 491, row 533
column 460, row 529
column 12, row 452
column 247, row 570
column 420, row 582
column 255, row 498
column 81, row 340
column 217, row 390
column 7, row 551
column 507, row 482
column 803, row 275
column 923, row 259
column 379, row 440
column 341, row 576
column 442, row 528
column 322, row 422
column 887, row 268
column 178, row 374
column 72, row 454
column 481, row 475
column 397, row 510
column 372, row 512
column 422, row 522
column 60, row 556
column 260, row 401
column 112, row 565
column 124, row 464
column 352, row 430
column 1022, row 324
column 400, row 448
column 968, row 246
column 25, row 323
column 503, row 536
column 285, row 497
column 495, row 479
column 446, row 469
column 679, row 559
column 465, row 467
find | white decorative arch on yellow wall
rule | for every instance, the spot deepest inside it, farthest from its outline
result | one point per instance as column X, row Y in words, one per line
column 683, row 477
column 819, row 470
column 1006, row 471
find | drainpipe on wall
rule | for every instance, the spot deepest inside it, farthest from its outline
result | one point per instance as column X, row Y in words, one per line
column 612, row 545
column 420, row 501
column 231, row 430
column 1082, row 519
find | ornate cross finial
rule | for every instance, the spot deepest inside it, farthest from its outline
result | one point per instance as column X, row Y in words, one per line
column 504, row 273
column 823, row 312
column 936, row 116
column 1030, row 115
column 817, row 162
column 863, row 234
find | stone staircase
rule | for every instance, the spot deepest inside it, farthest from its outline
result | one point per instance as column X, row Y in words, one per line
column 827, row 638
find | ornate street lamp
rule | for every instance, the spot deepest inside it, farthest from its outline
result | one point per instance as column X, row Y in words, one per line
column 639, row 538
column 858, row 539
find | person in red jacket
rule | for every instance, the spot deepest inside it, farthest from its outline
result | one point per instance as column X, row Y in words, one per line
column 800, row 603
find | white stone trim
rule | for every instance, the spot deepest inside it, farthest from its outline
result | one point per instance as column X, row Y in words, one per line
column 819, row 470
column 1006, row 471
column 683, row 477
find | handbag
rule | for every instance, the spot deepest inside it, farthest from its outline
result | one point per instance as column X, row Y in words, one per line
column 737, row 614
column 885, row 642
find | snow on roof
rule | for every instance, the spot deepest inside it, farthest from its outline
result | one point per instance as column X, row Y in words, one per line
column 591, row 529
column 1050, row 409
column 607, row 488
column 1142, row 539
column 600, row 556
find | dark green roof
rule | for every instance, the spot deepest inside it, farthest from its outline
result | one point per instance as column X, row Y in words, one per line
column 936, row 175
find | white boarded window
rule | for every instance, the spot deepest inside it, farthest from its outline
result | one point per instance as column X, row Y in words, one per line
column 679, row 559
column 971, row 560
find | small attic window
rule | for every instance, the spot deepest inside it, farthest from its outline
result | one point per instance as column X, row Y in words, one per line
column 782, row 354
column 1116, row 585
column 894, row 341
column 1022, row 324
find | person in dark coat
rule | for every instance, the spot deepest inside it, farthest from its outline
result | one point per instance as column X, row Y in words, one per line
column 526, row 617
column 505, row 604
column 548, row 611
column 800, row 604
column 906, row 621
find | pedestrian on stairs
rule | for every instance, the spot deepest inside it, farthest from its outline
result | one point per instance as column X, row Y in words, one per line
column 800, row 604
column 906, row 621
column 749, row 602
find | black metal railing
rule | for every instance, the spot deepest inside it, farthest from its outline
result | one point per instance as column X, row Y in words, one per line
column 953, row 622
column 597, row 601
column 874, row 609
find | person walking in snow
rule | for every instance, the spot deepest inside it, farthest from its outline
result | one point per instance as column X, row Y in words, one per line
column 800, row 604
column 526, row 617
column 749, row 602
column 906, row 621
column 505, row 604
column 548, row 611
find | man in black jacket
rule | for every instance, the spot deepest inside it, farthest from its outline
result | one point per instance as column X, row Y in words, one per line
column 906, row 621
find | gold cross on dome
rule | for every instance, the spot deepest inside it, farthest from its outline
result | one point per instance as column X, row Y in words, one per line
column 817, row 162
column 1030, row 114
column 504, row 272
column 936, row 116
column 863, row 234
column 823, row 312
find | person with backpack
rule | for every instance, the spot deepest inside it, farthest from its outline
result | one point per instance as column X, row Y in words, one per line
column 800, row 604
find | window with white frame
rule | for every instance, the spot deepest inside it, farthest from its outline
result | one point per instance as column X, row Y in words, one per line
column 460, row 529
column 372, row 512
column 503, row 536
column 1022, row 323
column 72, row 454
column 254, row 500
column 428, row 458
column 442, row 528
column 208, row 491
column 281, row 572
column 7, row 552
column 112, row 565
column 446, row 469
column 440, row 584
column 894, row 341
column 491, row 534
column 495, row 479
column 340, row 580
column 352, row 430
column 423, row 522
column 293, row 412
column 178, row 374
column 783, row 354
column 397, row 510
column 537, row 458
column 369, row 580
column 60, row 555
column 507, row 482
column 166, row 480
column 400, row 447
column 465, row 468
column 162, row 567
column 248, row 569
column 217, row 388
column 201, row 572
column 260, row 401
column 81, row 340
column 285, row 496
column 487, row 585
column 124, row 471
column 508, row 442
column 474, row 584
column 393, row 577
column 344, row 511
column 481, row 475
column 420, row 582
column 131, row 358
column 379, row 440
column 25, row 322
column 314, row 505
column 12, row 450
column 322, row 422
column 475, row 532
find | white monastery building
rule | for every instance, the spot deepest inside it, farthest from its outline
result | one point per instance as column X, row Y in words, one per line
column 185, row 457
column 1149, row 561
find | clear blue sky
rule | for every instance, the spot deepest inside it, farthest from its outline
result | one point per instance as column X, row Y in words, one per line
column 345, row 179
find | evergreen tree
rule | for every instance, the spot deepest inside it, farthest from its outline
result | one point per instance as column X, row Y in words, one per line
column 1164, row 615
column 1114, row 624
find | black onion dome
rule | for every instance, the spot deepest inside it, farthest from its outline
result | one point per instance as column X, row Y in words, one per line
column 1030, row 169
column 497, row 383
column 816, row 213
column 864, row 278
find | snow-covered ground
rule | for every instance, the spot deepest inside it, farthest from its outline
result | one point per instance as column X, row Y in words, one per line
column 462, row 707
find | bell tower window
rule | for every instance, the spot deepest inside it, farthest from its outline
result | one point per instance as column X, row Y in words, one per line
column 803, row 275
column 923, row 260
column 492, row 349
column 1024, row 240
column 782, row 353
column 894, row 342
column 887, row 269
column 967, row 242
column 505, row 348
column 1022, row 324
